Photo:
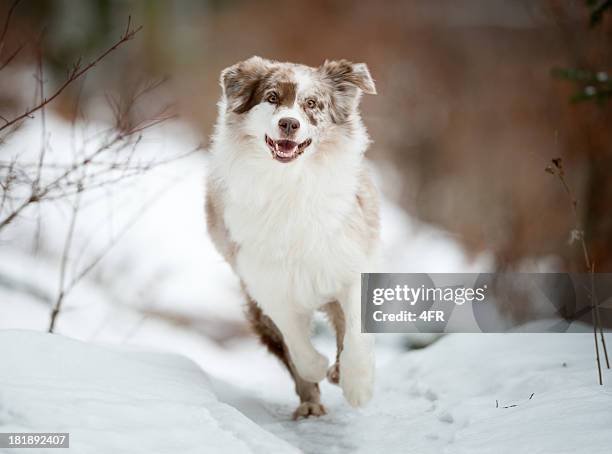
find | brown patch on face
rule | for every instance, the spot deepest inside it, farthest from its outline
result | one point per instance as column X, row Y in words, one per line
column 280, row 82
column 252, row 97
column 287, row 91
column 241, row 83
column 248, row 83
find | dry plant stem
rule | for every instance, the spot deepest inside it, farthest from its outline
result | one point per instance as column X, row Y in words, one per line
column 42, row 193
column 5, row 28
column 39, row 194
column 595, row 323
column 574, row 203
column 43, row 147
column 591, row 267
column 598, row 316
column 10, row 59
column 64, row 288
column 6, row 24
column 595, row 314
column 74, row 74
column 64, row 263
column 597, row 354
column 43, row 141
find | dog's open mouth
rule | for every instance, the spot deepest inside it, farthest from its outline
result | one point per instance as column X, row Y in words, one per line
column 286, row 150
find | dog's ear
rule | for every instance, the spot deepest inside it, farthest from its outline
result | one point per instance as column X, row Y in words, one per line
column 343, row 73
column 241, row 81
column 347, row 81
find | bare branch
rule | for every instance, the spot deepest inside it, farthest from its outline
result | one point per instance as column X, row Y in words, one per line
column 557, row 169
column 65, row 289
column 74, row 74
column 43, row 146
column 10, row 58
column 6, row 24
column 64, row 263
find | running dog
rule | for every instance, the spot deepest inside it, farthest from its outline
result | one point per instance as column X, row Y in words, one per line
column 291, row 207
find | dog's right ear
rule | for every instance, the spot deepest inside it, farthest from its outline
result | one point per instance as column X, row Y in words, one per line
column 241, row 81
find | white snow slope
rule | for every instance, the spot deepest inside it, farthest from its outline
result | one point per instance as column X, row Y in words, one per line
column 448, row 398
column 118, row 401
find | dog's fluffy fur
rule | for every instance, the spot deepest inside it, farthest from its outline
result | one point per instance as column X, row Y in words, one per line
column 294, row 212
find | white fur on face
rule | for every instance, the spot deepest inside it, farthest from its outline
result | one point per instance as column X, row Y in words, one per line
column 263, row 119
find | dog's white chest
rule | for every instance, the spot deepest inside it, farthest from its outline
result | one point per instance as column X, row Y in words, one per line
column 291, row 242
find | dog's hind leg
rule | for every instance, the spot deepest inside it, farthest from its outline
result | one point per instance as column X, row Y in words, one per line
column 272, row 338
column 335, row 316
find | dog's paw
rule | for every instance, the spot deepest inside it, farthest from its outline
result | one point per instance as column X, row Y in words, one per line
column 333, row 373
column 357, row 391
column 357, row 380
column 312, row 368
column 308, row 409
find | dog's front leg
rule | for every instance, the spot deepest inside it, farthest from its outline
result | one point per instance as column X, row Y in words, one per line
column 357, row 361
column 295, row 328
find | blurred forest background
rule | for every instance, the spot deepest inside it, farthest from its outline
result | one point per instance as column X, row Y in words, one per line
column 475, row 97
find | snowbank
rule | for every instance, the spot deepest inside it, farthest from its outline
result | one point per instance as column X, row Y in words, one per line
column 118, row 401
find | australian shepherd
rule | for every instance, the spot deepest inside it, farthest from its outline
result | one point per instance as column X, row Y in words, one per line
column 292, row 209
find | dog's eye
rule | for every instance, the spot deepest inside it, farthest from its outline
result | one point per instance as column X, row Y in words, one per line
column 272, row 98
column 311, row 103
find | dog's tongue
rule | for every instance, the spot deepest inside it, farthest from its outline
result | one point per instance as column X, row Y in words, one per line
column 286, row 146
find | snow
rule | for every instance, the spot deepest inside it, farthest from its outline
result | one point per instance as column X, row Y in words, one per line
column 118, row 400
column 153, row 340
column 443, row 399
column 464, row 394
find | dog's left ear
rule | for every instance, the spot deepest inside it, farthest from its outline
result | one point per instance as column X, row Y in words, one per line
column 241, row 81
column 347, row 81
column 344, row 74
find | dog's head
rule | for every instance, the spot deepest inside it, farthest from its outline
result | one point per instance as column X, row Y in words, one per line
column 288, row 109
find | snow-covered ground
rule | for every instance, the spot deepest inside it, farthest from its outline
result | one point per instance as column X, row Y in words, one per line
column 117, row 400
column 163, row 288
column 464, row 394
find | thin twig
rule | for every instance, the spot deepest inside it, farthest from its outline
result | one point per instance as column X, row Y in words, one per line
column 558, row 170
column 36, row 196
column 109, row 246
column 43, row 146
column 11, row 57
column 64, row 263
column 600, row 379
column 6, row 24
column 595, row 303
column 74, row 74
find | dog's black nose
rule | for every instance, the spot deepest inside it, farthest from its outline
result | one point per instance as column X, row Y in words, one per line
column 288, row 125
